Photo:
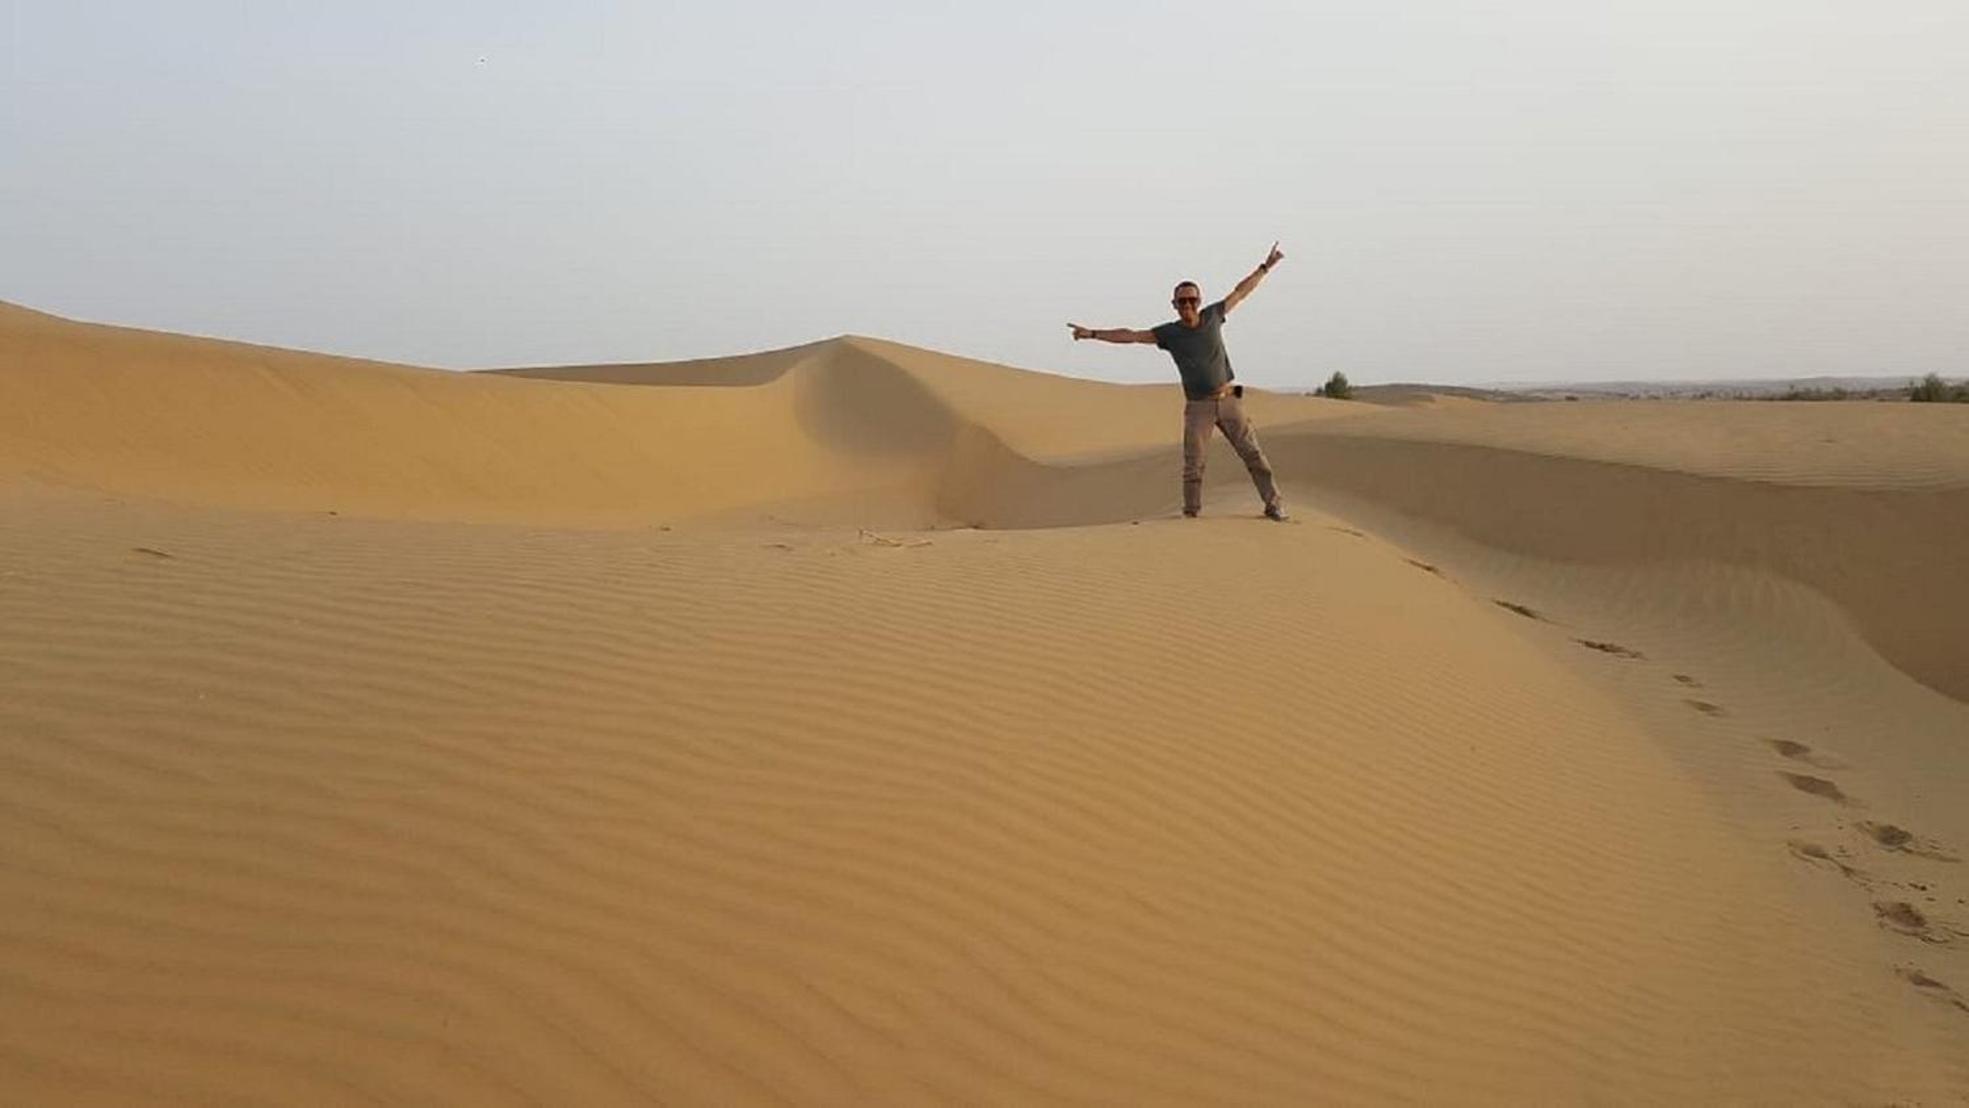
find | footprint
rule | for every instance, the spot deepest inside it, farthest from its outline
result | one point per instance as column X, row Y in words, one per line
column 1814, row 853
column 1612, row 648
column 1528, row 613
column 1706, row 708
column 1901, row 840
column 1921, row 980
column 1817, row 786
column 1799, row 752
column 1687, row 680
column 1887, row 835
column 1899, row 915
column 152, row 551
column 1931, row 987
column 1425, row 567
column 1345, row 531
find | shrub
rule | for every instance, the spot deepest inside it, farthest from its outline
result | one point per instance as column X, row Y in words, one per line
column 1933, row 390
column 1337, row 387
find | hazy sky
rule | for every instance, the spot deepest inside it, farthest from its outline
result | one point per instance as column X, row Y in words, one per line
column 1465, row 191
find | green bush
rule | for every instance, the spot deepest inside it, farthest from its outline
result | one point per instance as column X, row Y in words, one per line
column 1933, row 390
column 1337, row 388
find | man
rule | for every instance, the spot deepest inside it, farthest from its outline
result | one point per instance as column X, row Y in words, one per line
column 1210, row 399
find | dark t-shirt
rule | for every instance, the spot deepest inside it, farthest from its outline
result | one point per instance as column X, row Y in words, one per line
column 1199, row 352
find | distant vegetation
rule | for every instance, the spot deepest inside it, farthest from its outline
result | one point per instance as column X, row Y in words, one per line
column 1835, row 393
column 1933, row 390
column 1930, row 389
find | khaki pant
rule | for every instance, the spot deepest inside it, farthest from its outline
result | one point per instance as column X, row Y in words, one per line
column 1227, row 415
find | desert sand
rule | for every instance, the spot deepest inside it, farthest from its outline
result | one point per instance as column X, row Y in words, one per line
column 858, row 724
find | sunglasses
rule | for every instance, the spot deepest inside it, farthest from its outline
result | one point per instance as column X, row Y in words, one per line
column 1182, row 300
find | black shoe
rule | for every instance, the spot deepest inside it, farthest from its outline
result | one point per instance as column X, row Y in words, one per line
column 1187, row 514
column 1277, row 514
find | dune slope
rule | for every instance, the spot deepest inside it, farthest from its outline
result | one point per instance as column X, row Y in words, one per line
column 331, row 809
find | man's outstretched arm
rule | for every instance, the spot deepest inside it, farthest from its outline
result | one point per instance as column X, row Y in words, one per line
column 1245, row 287
column 1111, row 334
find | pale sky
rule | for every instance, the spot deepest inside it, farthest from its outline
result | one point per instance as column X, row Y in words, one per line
column 1466, row 192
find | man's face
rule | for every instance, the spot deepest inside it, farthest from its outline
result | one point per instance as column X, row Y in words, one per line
column 1187, row 300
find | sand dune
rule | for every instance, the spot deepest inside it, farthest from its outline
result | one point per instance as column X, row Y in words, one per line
column 857, row 420
column 139, row 413
column 1875, row 513
column 666, row 733
column 1849, row 444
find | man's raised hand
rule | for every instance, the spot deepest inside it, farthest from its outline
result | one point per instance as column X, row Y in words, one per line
column 1274, row 258
column 1080, row 332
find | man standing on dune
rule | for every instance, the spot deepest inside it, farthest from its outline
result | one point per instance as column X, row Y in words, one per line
column 1210, row 398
